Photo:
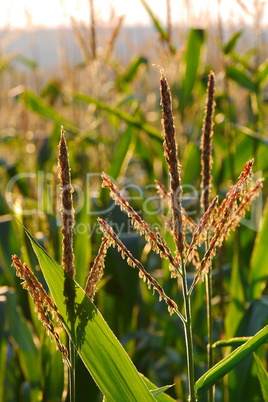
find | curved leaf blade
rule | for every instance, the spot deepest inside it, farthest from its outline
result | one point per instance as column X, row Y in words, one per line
column 195, row 42
column 162, row 32
column 263, row 377
column 229, row 46
column 100, row 350
column 258, row 263
column 131, row 71
column 229, row 362
column 159, row 393
column 241, row 78
column 39, row 106
column 120, row 114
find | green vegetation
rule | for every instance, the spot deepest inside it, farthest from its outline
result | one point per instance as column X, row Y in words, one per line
column 112, row 117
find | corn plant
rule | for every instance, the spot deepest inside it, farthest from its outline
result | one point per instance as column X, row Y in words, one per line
column 73, row 307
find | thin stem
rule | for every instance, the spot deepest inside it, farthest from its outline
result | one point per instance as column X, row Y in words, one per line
column 176, row 311
column 208, row 280
column 71, row 371
column 188, row 336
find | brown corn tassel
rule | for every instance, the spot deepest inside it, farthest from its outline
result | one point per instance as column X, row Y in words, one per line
column 238, row 189
column 67, row 211
column 156, row 241
column 203, row 226
column 206, row 143
column 163, row 193
column 245, row 204
column 226, row 213
column 170, row 150
column 114, row 241
column 43, row 303
column 96, row 271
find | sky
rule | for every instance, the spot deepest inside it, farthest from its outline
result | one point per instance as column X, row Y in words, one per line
column 25, row 13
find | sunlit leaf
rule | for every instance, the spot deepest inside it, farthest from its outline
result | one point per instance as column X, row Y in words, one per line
column 82, row 241
column 262, row 73
column 241, row 78
column 131, row 71
column 229, row 362
column 237, row 341
column 123, row 153
column 39, row 106
column 228, row 48
column 96, row 344
column 159, row 393
column 258, row 265
column 162, row 32
column 121, row 115
column 195, row 42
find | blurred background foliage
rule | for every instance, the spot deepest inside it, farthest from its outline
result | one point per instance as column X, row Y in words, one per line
column 110, row 110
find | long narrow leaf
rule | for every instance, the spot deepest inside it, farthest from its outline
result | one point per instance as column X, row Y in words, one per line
column 162, row 32
column 258, row 264
column 100, row 350
column 39, row 106
column 241, row 78
column 228, row 48
column 131, row 71
column 237, row 341
column 23, row 339
column 159, row 394
column 229, row 362
column 192, row 57
column 82, row 243
column 120, row 114
column 263, row 377
column 263, row 73
column 123, row 153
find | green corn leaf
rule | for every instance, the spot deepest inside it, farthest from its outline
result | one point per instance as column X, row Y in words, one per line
column 241, row 78
column 100, row 350
column 228, row 48
column 27, row 62
column 229, row 362
column 251, row 133
column 236, row 309
column 52, row 91
column 162, row 32
column 124, row 151
column 237, row 341
column 258, row 264
column 22, row 338
column 82, row 242
column 131, row 71
column 263, row 377
column 154, row 133
column 191, row 164
column 159, row 394
column 39, row 106
column 160, row 391
column 192, row 58
column 263, row 73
